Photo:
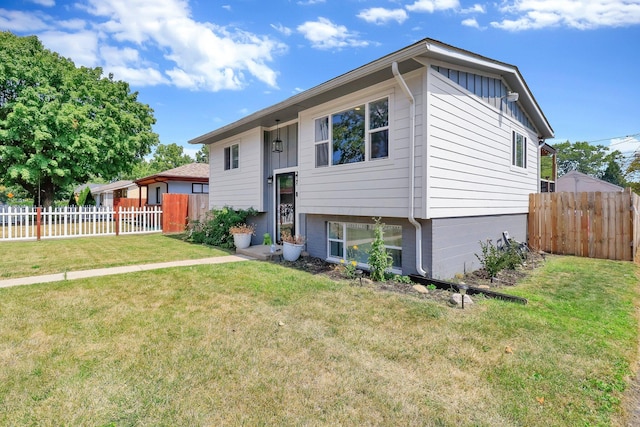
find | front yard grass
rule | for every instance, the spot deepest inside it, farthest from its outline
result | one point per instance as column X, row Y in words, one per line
column 34, row 258
column 259, row 344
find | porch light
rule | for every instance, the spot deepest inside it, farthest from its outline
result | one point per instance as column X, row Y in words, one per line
column 512, row 96
column 270, row 179
column 277, row 143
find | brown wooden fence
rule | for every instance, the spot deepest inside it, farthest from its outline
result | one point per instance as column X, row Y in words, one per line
column 595, row 225
column 174, row 212
column 198, row 206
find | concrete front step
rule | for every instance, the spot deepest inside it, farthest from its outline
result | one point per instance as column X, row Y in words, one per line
column 261, row 252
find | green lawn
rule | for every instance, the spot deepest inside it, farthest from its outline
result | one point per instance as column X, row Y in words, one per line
column 33, row 258
column 259, row 344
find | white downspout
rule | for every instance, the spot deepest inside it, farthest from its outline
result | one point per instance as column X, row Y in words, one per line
column 412, row 167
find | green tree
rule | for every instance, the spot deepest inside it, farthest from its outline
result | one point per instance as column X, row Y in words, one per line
column 61, row 125
column 202, row 156
column 613, row 173
column 582, row 157
column 168, row 157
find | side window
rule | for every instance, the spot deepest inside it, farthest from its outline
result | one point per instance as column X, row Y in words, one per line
column 519, row 150
column 379, row 129
column 322, row 141
column 231, row 157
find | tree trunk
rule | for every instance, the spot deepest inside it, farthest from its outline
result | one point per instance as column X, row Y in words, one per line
column 47, row 194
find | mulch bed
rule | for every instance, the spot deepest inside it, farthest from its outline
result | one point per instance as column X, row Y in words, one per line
column 505, row 278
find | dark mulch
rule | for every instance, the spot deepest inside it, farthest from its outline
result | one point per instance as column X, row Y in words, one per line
column 479, row 277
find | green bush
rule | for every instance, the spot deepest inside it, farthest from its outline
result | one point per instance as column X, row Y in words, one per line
column 214, row 229
column 380, row 261
column 494, row 259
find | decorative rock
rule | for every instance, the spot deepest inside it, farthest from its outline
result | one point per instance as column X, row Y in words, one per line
column 456, row 299
column 421, row 289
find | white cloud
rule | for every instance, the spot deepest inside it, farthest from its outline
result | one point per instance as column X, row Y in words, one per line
column 431, row 6
column 626, row 145
column 310, row 2
column 579, row 14
column 46, row 3
column 227, row 7
column 476, row 8
column 282, row 29
column 81, row 47
column 471, row 22
column 204, row 56
column 380, row 15
column 324, row 34
column 18, row 21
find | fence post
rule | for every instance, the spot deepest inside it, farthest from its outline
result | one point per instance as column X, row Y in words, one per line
column 116, row 217
column 38, row 222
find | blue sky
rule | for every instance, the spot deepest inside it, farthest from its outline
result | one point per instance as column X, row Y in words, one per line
column 202, row 64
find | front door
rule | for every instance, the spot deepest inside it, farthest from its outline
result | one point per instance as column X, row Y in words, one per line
column 285, row 204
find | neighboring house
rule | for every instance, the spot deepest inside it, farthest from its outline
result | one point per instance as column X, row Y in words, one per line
column 441, row 143
column 577, row 182
column 187, row 179
column 104, row 195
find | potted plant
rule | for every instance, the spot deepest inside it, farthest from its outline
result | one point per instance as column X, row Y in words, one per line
column 291, row 246
column 242, row 235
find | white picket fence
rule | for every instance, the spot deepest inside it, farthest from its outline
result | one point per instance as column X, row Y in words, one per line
column 28, row 223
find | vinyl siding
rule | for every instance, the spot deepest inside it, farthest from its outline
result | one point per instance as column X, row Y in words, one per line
column 369, row 188
column 456, row 241
column 469, row 146
column 241, row 188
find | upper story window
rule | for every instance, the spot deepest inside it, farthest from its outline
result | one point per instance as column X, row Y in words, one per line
column 231, row 157
column 519, row 150
column 356, row 134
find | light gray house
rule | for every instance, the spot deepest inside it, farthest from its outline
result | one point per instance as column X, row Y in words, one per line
column 576, row 182
column 192, row 178
column 441, row 143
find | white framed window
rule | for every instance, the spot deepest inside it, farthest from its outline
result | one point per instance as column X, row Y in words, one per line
column 322, row 141
column 354, row 135
column 231, row 157
column 347, row 242
column 518, row 150
column 197, row 188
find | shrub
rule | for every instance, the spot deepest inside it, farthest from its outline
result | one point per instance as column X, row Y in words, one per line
column 380, row 262
column 494, row 259
column 214, row 229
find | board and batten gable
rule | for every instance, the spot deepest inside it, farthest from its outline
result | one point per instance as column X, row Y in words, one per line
column 241, row 187
column 369, row 188
column 469, row 147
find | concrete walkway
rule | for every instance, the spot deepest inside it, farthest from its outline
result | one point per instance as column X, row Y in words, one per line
column 71, row 275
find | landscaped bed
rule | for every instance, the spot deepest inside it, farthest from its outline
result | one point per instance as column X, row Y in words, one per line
column 262, row 343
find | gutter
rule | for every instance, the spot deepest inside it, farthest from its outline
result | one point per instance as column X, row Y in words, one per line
column 412, row 168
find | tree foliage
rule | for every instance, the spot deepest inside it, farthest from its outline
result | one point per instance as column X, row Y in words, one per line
column 202, row 156
column 168, row 157
column 582, row 157
column 61, row 125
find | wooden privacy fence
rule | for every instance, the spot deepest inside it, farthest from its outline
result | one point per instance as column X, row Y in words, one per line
column 595, row 225
column 26, row 223
column 198, row 206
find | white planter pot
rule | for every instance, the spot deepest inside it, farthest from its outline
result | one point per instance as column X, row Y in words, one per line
column 290, row 251
column 242, row 241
